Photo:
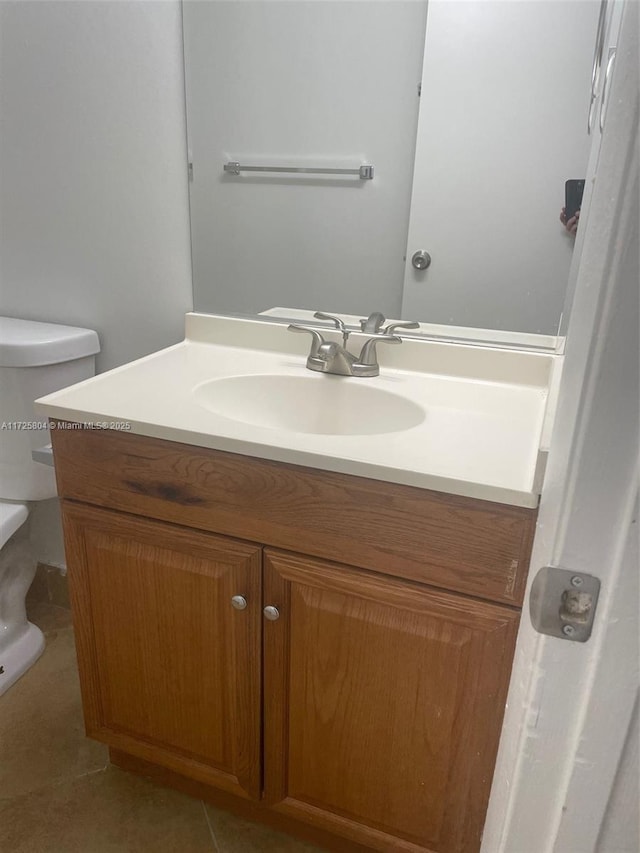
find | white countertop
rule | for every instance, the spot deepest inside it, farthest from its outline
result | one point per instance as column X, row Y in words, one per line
column 483, row 435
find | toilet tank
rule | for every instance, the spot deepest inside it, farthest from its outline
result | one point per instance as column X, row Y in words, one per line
column 35, row 359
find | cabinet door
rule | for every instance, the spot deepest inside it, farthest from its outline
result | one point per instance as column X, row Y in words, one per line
column 170, row 671
column 383, row 705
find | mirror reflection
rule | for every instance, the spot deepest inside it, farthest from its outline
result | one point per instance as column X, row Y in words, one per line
column 469, row 114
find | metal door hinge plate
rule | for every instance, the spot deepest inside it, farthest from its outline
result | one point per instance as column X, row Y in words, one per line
column 563, row 603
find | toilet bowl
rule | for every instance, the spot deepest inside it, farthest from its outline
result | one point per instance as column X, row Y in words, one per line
column 21, row 643
column 35, row 359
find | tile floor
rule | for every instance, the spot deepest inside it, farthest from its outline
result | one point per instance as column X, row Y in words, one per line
column 58, row 793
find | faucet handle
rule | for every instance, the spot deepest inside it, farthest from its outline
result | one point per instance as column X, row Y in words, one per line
column 367, row 363
column 390, row 329
column 338, row 323
column 317, row 339
column 368, row 351
column 371, row 326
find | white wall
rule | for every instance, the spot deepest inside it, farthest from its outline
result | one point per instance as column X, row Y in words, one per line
column 94, row 227
column 45, row 533
column 94, row 218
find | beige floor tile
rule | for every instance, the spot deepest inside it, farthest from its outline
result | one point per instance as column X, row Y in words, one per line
column 234, row 835
column 39, row 589
column 59, row 589
column 48, row 617
column 42, row 739
column 105, row 812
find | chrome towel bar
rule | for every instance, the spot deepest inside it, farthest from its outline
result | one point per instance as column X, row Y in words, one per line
column 364, row 172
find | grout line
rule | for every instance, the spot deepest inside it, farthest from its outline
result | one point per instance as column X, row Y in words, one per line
column 93, row 772
column 56, row 783
column 210, row 825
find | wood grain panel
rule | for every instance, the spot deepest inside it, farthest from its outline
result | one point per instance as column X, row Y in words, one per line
column 383, row 707
column 170, row 671
column 456, row 543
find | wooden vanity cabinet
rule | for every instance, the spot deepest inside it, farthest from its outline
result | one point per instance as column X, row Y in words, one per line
column 369, row 708
column 383, row 703
column 169, row 670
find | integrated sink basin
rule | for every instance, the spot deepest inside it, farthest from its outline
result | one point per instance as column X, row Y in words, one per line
column 465, row 420
column 315, row 404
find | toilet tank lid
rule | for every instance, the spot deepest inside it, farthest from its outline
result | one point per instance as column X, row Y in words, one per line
column 26, row 343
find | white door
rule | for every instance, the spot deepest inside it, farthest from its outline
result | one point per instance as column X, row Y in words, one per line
column 566, row 779
column 492, row 159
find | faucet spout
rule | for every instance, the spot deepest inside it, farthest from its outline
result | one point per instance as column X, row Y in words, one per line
column 373, row 323
column 336, row 359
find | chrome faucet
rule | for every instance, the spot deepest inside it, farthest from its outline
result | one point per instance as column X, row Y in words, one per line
column 332, row 358
column 373, row 323
column 337, row 322
column 329, row 357
column 391, row 328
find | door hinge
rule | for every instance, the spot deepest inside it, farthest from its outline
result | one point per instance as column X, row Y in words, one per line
column 419, row 90
column 563, row 603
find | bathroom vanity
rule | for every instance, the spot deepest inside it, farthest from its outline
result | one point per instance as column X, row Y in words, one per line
column 284, row 622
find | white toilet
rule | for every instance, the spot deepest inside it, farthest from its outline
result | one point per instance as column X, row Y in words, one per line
column 35, row 359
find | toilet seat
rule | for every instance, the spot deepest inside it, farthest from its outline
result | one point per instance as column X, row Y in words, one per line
column 12, row 516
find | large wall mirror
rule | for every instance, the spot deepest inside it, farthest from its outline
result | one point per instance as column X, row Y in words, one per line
column 472, row 114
